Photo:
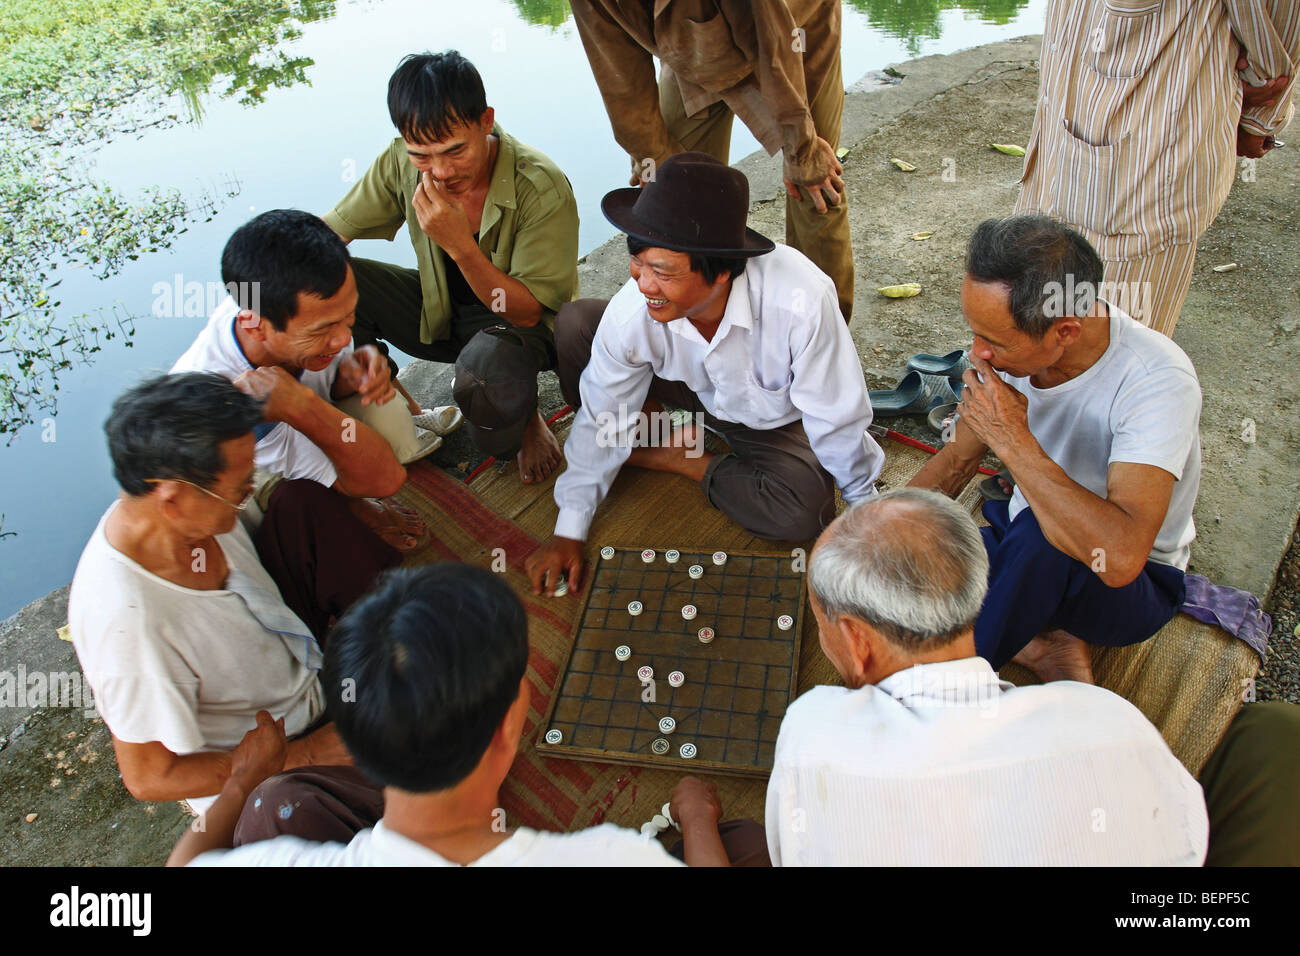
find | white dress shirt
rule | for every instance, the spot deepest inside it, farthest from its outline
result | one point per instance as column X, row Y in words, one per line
column 781, row 353
column 946, row 765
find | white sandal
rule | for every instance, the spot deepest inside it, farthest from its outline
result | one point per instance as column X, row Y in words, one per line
column 442, row 420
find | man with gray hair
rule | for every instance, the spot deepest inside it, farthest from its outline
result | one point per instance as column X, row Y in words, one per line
column 924, row 756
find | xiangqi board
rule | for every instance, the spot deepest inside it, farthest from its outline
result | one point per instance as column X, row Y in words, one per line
column 726, row 697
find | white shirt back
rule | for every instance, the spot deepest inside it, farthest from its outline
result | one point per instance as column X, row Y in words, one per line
column 281, row 449
column 946, row 765
column 604, row 845
column 1140, row 403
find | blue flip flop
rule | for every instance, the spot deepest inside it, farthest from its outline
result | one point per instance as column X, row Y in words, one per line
column 914, row 394
column 951, row 365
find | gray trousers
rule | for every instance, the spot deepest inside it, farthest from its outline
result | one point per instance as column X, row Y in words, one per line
column 770, row 483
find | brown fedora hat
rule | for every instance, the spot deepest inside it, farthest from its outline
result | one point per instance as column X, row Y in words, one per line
column 693, row 204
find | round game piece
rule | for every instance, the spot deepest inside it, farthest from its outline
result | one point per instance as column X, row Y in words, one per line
column 661, row 822
column 645, row 673
column 676, row 679
column 635, row 608
column 660, row 746
column 785, row 622
column 554, row 736
column 649, row 830
column 667, row 725
column 667, row 811
column 719, row 557
column 695, row 571
column 687, row 750
column 688, row 612
column 672, row 557
column 622, row 652
column 648, row 556
column 562, row 588
column 607, row 552
column 706, row 635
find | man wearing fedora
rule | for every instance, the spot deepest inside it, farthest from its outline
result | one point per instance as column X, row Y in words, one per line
column 718, row 321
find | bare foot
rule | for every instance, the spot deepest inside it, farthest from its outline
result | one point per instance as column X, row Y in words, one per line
column 1057, row 655
column 380, row 515
column 685, row 455
column 539, row 452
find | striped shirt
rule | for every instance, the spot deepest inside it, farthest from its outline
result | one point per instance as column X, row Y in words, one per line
column 1135, row 132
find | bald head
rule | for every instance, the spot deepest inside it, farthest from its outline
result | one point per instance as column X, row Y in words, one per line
column 909, row 562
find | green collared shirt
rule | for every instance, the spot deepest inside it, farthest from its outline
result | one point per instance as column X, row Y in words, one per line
column 529, row 228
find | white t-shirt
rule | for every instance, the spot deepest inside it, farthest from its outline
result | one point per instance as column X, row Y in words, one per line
column 946, row 765
column 281, row 449
column 1140, row 403
column 604, row 845
column 187, row 668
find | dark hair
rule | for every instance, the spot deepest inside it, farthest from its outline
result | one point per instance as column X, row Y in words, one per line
column 709, row 267
column 429, row 93
column 1038, row 259
column 274, row 256
column 420, row 672
column 172, row 426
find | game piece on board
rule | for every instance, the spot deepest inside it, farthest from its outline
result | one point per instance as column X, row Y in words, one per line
column 676, row 679
column 687, row 750
column 607, row 552
column 695, row 571
column 622, row 652
column 667, row 725
column 635, row 608
column 562, row 588
column 554, row 736
column 648, row 829
column 719, row 557
column 667, row 811
column 661, row 821
column 648, row 556
column 706, row 635
column 645, row 673
column 688, row 612
column 673, row 556
column 660, row 746
column 785, row 622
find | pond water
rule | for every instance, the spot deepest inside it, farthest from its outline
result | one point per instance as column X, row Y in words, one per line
column 299, row 148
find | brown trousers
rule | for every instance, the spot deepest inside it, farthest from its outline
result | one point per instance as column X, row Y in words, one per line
column 822, row 237
column 770, row 483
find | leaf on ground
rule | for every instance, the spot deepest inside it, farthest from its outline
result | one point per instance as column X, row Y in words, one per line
column 1227, row 267
column 841, row 152
column 904, row 291
column 1011, row 149
column 903, row 164
column 920, row 236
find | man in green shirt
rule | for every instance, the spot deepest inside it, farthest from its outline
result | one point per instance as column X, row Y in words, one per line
column 495, row 229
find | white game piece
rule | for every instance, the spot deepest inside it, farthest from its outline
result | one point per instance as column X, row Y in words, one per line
column 687, row 750
column 676, row 679
column 660, row 746
column 648, row 556
column 672, row 557
column 719, row 557
column 554, row 736
column 622, row 652
column 695, row 571
column 562, row 588
column 706, row 635
column 785, row 622
column 667, row 811
column 607, row 552
column 648, row 829
column 688, row 612
column 661, row 821
column 635, row 608
column 645, row 674
column 667, row 725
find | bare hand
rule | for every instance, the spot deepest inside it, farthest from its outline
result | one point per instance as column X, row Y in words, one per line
column 993, row 410
column 828, row 190
column 367, row 373
column 1251, row 145
column 558, row 556
column 441, row 216
column 282, row 396
column 1253, row 97
column 261, row 753
column 693, row 799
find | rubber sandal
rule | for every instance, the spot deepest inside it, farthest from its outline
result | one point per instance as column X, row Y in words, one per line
column 991, row 487
column 940, row 416
column 915, row 393
column 442, row 420
column 950, row 366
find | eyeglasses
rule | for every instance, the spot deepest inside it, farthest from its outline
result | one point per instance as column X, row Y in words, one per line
column 243, row 503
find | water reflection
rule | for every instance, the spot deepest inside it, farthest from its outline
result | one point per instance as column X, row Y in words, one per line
column 544, row 13
column 914, row 21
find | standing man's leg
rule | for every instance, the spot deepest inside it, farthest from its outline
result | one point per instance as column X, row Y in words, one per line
column 708, row 131
column 1152, row 288
column 824, row 238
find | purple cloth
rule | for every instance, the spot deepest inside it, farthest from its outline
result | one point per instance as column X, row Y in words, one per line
column 1236, row 611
